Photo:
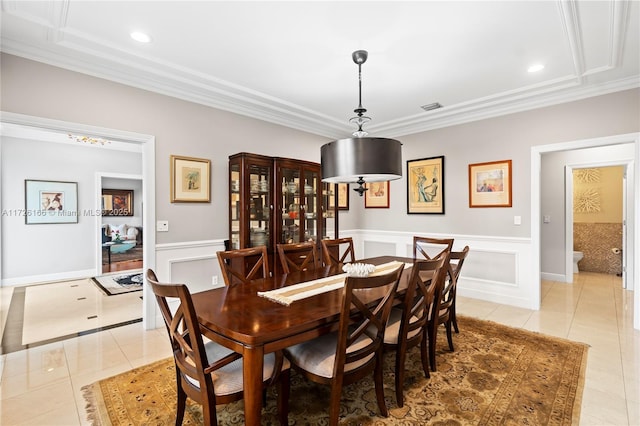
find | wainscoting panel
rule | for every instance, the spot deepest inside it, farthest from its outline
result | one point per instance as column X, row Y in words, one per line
column 498, row 269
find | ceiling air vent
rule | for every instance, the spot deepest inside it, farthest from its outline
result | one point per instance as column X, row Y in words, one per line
column 432, row 106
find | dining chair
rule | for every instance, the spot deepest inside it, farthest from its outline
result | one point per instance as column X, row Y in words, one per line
column 430, row 248
column 456, row 259
column 243, row 265
column 209, row 373
column 356, row 348
column 297, row 256
column 337, row 251
column 441, row 312
column 408, row 322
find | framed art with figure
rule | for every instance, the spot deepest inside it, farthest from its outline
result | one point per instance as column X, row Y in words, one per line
column 50, row 202
column 190, row 180
column 490, row 184
column 425, row 186
column 343, row 196
column 377, row 195
column 117, row 202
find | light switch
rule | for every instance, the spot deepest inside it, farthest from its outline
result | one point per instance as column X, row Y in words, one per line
column 517, row 220
column 546, row 219
column 162, row 226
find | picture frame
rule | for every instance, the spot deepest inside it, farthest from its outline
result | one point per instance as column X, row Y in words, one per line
column 117, row 202
column 48, row 202
column 490, row 184
column 343, row 196
column 425, row 185
column 377, row 195
column 190, row 180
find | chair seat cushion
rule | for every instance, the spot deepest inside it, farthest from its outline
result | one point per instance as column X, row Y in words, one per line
column 318, row 355
column 228, row 379
column 392, row 332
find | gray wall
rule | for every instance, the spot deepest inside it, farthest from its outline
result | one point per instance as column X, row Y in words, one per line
column 184, row 128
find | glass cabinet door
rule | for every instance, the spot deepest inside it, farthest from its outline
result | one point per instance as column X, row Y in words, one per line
column 235, row 204
column 329, row 210
column 312, row 209
column 259, row 204
column 291, row 209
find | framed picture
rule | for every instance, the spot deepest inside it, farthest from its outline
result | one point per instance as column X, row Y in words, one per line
column 117, row 202
column 425, row 186
column 343, row 196
column 190, row 180
column 377, row 196
column 50, row 202
column 490, row 184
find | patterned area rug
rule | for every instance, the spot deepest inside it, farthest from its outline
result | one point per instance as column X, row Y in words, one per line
column 497, row 375
column 119, row 283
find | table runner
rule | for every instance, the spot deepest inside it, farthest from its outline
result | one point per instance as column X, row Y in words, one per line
column 287, row 295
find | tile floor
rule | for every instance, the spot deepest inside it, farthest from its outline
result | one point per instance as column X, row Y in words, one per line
column 41, row 385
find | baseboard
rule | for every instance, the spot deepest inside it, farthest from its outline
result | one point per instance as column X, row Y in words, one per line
column 45, row 278
column 547, row 276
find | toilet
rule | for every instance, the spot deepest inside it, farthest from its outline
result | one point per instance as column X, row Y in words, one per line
column 577, row 257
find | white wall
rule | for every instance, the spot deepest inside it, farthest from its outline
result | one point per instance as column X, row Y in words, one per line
column 33, row 253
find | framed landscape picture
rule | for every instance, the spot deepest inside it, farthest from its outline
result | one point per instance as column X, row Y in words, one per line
column 425, row 186
column 190, row 180
column 490, row 184
column 377, row 196
column 50, row 202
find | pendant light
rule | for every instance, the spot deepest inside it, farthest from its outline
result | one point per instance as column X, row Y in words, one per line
column 361, row 159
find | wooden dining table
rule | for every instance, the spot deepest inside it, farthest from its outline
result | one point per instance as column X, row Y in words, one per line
column 237, row 317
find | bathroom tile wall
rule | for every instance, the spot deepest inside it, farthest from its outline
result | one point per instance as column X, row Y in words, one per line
column 596, row 240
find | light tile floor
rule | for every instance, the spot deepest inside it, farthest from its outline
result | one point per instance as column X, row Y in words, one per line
column 41, row 385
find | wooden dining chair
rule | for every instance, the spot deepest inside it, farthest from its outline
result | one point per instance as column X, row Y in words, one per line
column 408, row 323
column 209, row 373
column 356, row 349
column 243, row 265
column 336, row 251
column 297, row 256
column 430, row 248
column 456, row 259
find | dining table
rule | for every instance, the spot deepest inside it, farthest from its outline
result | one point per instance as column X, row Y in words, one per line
column 239, row 318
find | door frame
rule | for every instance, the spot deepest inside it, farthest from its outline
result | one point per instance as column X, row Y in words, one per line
column 536, row 162
column 147, row 144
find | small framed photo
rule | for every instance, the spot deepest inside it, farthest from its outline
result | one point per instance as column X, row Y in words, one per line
column 117, row 202
column 343, row 196
column 490, row 184
column 190, row 180
column 425, row 186
column 50, row 202
column 377, row 195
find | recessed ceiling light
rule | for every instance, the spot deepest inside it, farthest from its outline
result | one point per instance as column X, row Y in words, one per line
column 535, row 68
column 141, row 37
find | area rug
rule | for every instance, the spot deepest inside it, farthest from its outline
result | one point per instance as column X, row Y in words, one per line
column 119, row 283
column 497, row 375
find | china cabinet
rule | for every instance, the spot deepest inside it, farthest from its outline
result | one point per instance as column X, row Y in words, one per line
column 275, row 200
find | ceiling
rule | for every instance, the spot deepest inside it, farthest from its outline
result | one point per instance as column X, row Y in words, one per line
column 290, row 62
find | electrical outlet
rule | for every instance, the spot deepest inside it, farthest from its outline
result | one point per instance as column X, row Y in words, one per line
column 214, row 280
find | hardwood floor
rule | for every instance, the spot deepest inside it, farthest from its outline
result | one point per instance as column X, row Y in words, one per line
column 121, row 266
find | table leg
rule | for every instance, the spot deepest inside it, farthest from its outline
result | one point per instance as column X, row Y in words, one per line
column 253, row 362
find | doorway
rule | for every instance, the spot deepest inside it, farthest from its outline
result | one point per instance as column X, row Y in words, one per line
column 596, row 217
column 27, row 124
column 632, row 202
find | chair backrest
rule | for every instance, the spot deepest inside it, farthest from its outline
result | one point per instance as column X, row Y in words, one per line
column 427, row 276
column 184, row 331
column 456, row 259
column 297, row 256
column 430, row 248
column 339, row 250
column 243, row 265
column 360, row 317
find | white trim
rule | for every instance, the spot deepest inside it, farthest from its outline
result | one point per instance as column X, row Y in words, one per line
column 536, row 160
column 147, row 143
column 47, row 278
